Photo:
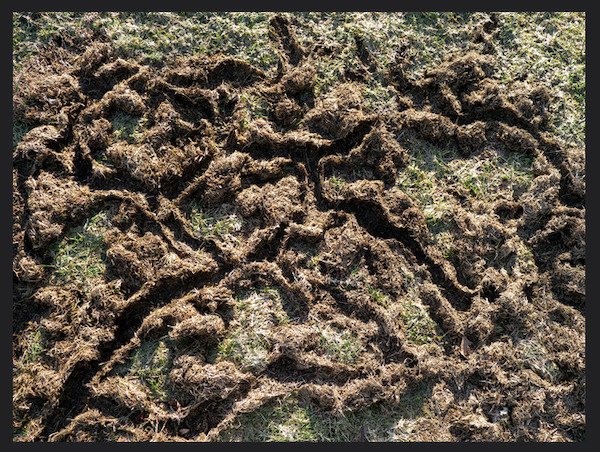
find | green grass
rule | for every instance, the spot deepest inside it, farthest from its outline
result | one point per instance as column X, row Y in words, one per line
column 80, row 257
column 151, row 363
column 291, row 419
column 485, row 178
column 341, row 346
column 433, row 172
column 549, row 49
column 34, row 347
column 255, row 105
column 126, row 127
column 255, row 315
column 424, row 179
column 445, row 242
column 337, row 183
column 154, row 37
column 313, row 261
column 213, row 223
column 419, row 327
column 378, row 296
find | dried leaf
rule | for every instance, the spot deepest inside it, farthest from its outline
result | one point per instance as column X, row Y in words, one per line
column 465, row 347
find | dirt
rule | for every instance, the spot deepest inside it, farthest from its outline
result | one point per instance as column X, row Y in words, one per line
column 247, row 248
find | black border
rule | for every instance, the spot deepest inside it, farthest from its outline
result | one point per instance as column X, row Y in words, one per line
column 311, row 5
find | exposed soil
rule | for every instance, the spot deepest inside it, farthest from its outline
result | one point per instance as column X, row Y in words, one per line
column 201, row 205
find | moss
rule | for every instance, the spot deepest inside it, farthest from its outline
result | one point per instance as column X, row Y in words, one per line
column 19, row 131
column 337, row 183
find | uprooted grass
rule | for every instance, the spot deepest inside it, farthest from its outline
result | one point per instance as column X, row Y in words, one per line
column 547, row 48
column 252, row 321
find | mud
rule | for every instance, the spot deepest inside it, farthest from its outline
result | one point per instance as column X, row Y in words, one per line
column 204, row 204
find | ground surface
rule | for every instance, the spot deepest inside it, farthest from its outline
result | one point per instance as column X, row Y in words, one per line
column 356, row 227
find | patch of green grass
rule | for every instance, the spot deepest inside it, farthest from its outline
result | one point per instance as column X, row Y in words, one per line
column 419, row 327
column 337, row 183
column 34, row 347
column 379, row 98
column 255, row 315
column 548, row 49
column 378, row 296
column 80, row 257
column 159, row 36
column 484, row 178
column 433, row 172
column 290, row 419
column 329, row 72
column 427, row 192
column 418, row 183
column 423, row 178
column 279, row 421
column 33, row 31
column 151, row 363
column 313, row 261
column 255, row 105
column 340, row 346
column 291, row 422
column 152, row 37
column 214, row 223
column 126, row 127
